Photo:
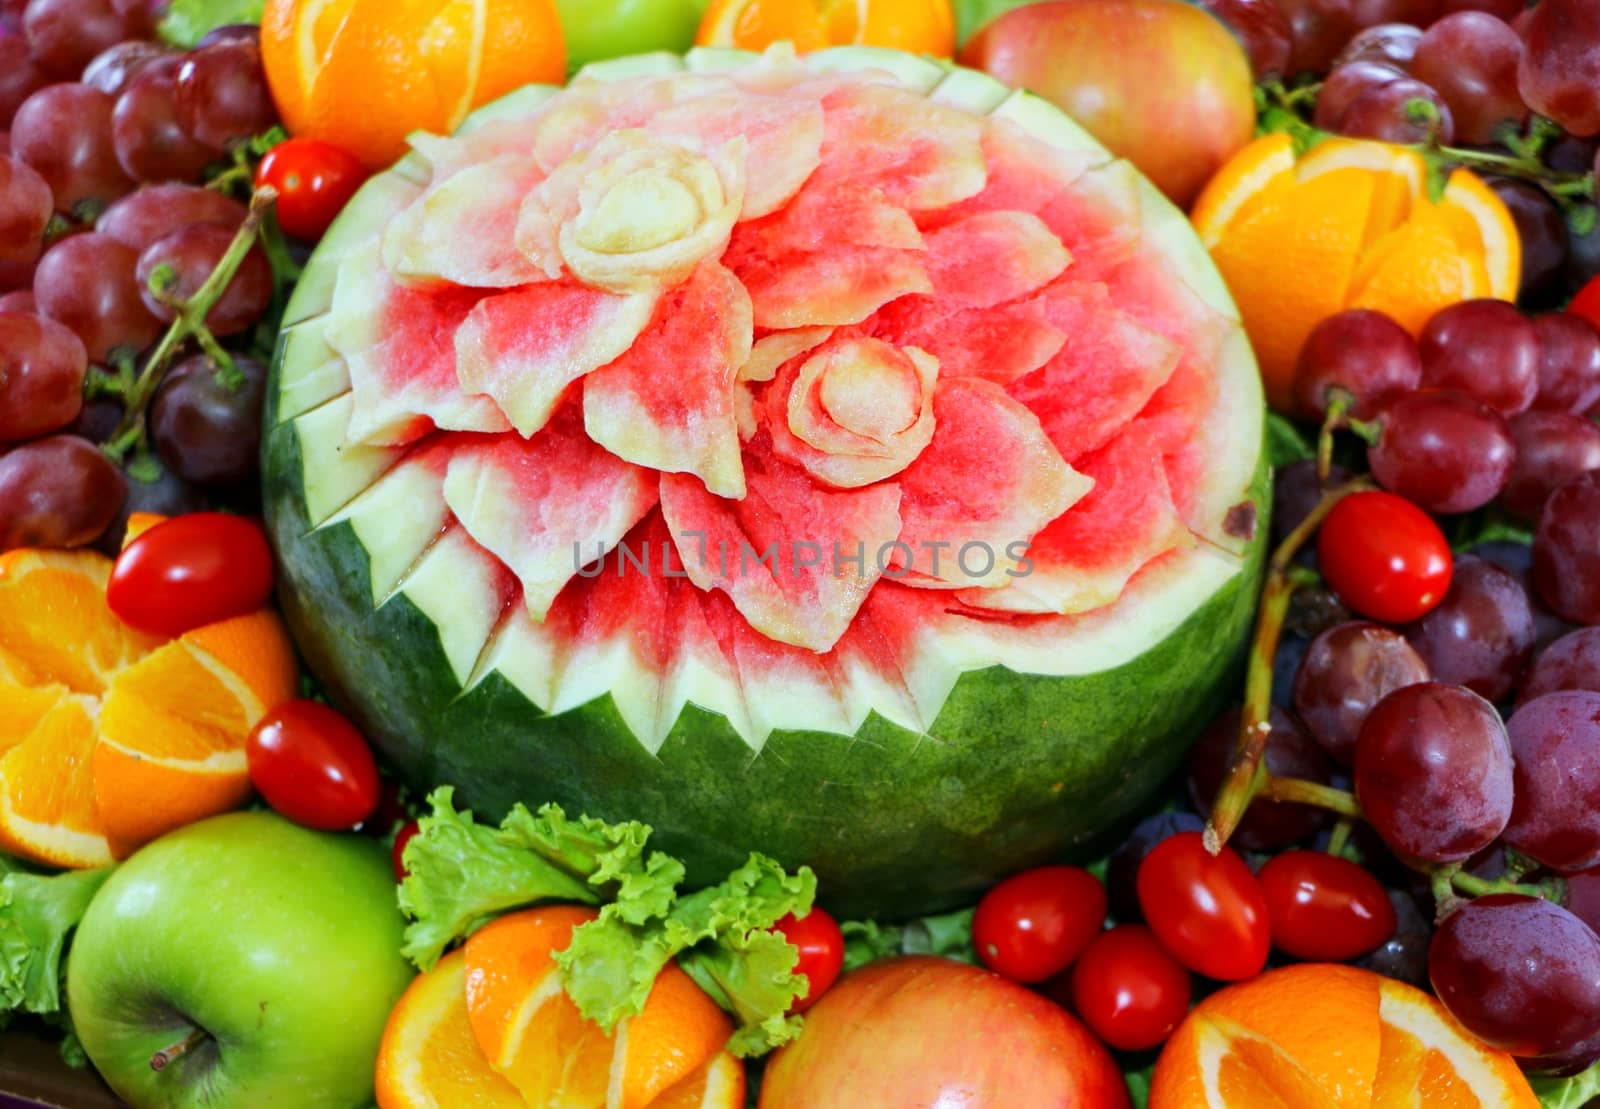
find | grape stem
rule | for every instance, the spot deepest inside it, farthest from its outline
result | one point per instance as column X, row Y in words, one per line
column 190, row 323
column 1248, row 774
column 1339, row 402
column 1451, row 884
column 1301, row 791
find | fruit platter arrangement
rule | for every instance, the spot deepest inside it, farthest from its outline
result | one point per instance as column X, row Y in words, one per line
column 667, row 554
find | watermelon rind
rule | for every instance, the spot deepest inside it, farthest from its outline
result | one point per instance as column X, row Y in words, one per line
column 1021, row 752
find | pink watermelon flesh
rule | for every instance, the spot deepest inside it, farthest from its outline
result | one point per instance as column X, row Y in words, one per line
column 463, row 229
column 682, row 421
column 589, row 110
column 997, row 344
column 784, row 511
column 841, row 285
column 990, row 477
column 1023, row 174
column 990, row 258
column 785, row 137
column 398, row 340
column 524, row 348
column 917, row 153
column 545, row 506
column 1084, row 559
column 1107, row 369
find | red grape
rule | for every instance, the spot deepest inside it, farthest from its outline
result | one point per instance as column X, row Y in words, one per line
column 147, row 214
column 1471, row 59
column 88, row 283
column 1344, row 84
column 1396, row 112
column 1482, row 634
column 1346, row 670
column 1393, row 43
column 17, row 275
column 1555, row 740
column 1485, row 348
column 207, row 432
column 1443, row 450
column 41, row 377
column 1296, row 489
column 1506, row 10
column 1552, row 449
column 65, row 35
column 1560, row 71
column 1566, row 550
column 230, row 32
column 21, row 301
column 64, row 132
column 1404, row 955
column 57, row 492
column 191, row 253
column 223, row 95
column 1384, row 556
column 1569, row 362
column 1261, row 29
column 1319, row 29
column 1571, row 662
column 115, row 66
column 149, row 143
column 1541, row 229
column 1376, row 13
column 25, row 207
column 1522, row 974
column 1323, row 908
column 1433, row 772
column 164, row 495
column 19, row 77
column 1290, row 753
column 1365, row 353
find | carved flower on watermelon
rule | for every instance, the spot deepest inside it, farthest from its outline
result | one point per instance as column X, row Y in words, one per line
column 795, row 397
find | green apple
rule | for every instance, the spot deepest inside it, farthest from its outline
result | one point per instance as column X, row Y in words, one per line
column 599, row 29
column 242, row 961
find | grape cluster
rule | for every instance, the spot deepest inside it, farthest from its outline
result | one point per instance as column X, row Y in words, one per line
column 1470, row 75
column 115, row 157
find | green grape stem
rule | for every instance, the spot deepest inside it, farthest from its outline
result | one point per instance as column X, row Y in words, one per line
column 188, row 324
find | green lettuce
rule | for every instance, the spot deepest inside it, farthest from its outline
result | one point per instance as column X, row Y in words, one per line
column 1568, row 1093
column 948, row 936
column 462, row 874
column 37, row 912
column 187, row 21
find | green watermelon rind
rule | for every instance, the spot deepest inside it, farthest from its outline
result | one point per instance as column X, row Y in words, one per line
column 895, row 820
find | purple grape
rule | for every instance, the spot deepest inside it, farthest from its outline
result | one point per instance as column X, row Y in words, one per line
column 56, row 492
column 1389, row 113
column 1481, row 635
column 1543, row 233
column 65, row 35
column 1569, row 363
column 1261, row 29
column 1571, row 662
column 1444, row 450
column 190, row 254
column 1346, row 670
column 115, row 66
column 149, row 143
column 1345, row 83
column 64, row 133
column 1566, row 550
column 1392, row 43
column 209, row 432
column 222, row 94
column 1404, row 956
column 25, row 207
column 147, row 214
column 1560, row 71
column 1552, row 448
column 1296, row 491
column 1555, row 740
column 1362, row 352
column 41, row 377
column 1122, row 870
column 1318, row 29
column 1471, row 59
column 1486, row 349
column 88, row 283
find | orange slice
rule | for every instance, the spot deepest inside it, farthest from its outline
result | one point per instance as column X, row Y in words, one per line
column 916, row 26
column 1318, row 1036
column 428, row 1058
column 1246, row 175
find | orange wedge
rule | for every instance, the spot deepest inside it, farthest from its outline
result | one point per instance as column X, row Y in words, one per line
column 1319, row 1036
column 530, row 1032
column 110, row 737
column 1342, row 227
column 917, row 26
column 428, row 1058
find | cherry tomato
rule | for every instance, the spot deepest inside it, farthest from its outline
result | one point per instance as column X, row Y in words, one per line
column 1207, row 910
column 190, row 571
column 313, row 766
column 1587, row 302
column 1384, row 557
column 314, row 179
column 1032, row 925
column 401, row 838
column 821, row 947
column 1128, row 989
column 1323, row 908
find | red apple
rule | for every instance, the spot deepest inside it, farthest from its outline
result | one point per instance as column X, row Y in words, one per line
column 925, row 1031
column 1163, row 83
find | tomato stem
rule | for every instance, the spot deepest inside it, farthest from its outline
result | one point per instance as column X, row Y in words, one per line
column 190, row 323
column 1248, row 773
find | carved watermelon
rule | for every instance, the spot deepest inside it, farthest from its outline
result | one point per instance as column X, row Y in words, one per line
column 841, row 458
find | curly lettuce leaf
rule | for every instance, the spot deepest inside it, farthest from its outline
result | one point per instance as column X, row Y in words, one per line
column 1568, row 1093
column 948, row 935
column 187, row 21
column 721, row 936
column 37, row 912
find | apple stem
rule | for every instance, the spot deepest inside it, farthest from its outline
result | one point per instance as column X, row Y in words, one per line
column 164, row 1058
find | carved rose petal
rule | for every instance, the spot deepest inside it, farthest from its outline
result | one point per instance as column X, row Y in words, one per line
column 784, row 136
column 993, row 257
column 463, row 229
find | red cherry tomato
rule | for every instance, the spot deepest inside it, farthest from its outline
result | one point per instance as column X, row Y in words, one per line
column 1384, row 557
column 190, row 571
column 1207, row 910
column 314, row 179
column 1587, row 302
column 1323, row 908
column 401, row 838
column 1032, row 925
column 821, row 947
column 1128, row 989
column 313, row 766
